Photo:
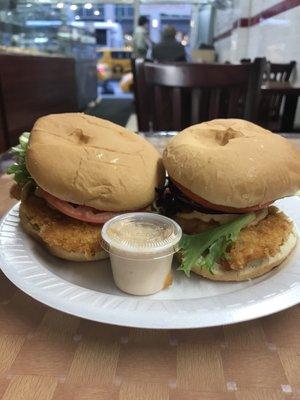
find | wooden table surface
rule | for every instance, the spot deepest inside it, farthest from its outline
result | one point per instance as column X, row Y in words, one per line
column 48, row 355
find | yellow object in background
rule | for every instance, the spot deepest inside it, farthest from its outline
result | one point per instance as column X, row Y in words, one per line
column 118, row 61
column 203, row 55
column 126, row 83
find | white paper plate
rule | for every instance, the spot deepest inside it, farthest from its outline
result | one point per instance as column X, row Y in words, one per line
column 87, row 289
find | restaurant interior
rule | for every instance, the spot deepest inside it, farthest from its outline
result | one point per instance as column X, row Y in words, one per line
column 154, row 68
column 78, row 57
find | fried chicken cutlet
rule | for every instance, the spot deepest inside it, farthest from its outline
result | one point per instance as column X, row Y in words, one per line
column 57, row 229
column 260, row 241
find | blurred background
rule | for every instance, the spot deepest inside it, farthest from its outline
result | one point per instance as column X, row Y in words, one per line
column 72, row 55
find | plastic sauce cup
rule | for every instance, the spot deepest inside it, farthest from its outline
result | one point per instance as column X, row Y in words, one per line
column 141, row 248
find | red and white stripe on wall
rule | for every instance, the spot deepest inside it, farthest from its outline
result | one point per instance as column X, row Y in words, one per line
column 270, row 12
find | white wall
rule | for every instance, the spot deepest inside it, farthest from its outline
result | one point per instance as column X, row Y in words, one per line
column 223, row 49
column 276, row 38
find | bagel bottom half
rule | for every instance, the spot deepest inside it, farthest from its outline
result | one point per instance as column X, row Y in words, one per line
column 253, row 269
column 63, row 236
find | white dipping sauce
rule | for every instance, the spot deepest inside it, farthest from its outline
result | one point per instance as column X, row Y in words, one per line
column 141, row 248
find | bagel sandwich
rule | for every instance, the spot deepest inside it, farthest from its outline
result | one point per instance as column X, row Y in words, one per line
column 74, row 172
column 223, row 178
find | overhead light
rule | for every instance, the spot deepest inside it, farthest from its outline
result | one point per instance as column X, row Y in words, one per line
column 192, row 23
column 77, row 17
column 73, row 7
column 9, row 12
column 43, row 22
column 41, row 40
column 97, row 12
column 28, row 5
column 60, row 5
column 88, row 6
column 155, row 23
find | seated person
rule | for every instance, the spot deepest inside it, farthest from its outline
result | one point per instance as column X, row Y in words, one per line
column 169, row 49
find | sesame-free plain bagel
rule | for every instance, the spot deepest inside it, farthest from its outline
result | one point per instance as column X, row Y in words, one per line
column 233, row 163
column 90, row 161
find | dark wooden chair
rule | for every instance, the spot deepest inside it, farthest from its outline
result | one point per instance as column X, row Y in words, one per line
column 280, row 72
column 174, row 96
column 271, row 105
column 33, row 86
column 3, row 128
column 275, row 72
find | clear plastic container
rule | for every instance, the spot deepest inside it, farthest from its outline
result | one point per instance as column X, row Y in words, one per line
column 141, row 248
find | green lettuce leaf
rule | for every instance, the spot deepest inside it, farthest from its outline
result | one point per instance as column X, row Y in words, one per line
column 18, row 169
column 207, row 248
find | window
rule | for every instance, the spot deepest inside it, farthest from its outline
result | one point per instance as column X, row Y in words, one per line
column 119, row 55
column 101, row 37
column 123, row 11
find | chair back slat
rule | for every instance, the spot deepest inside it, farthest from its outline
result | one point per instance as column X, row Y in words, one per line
column 158, row 106
column 281, row 72
column 176, row 99
column 195, row 109
column 192, row 93
column 214, row 102
column 141, row 99
column 270, row 107
column 235, row 101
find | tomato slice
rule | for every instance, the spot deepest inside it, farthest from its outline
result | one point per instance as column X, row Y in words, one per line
column 83, row 213
column 218, row 207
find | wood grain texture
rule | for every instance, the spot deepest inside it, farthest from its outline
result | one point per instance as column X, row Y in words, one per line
column 24, row 316
column 95, row 362
column 199, row 368
column 33, row 86
column 200, row 336
column 190, row 395
column 49, row 355
column 144, row 390
column 4, row 382
column 290, row 359
column 66, row 391
column 29, row 387
column 155, row 364
column 262, row 394
column 248, row 335
column 247, row 368
column 10, row 345
column 277, row 328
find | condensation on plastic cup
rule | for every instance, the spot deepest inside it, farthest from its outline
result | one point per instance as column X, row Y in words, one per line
column 141, row 248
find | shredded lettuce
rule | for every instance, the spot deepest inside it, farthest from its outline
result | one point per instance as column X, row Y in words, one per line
column 207, row 248
column 18, row 169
